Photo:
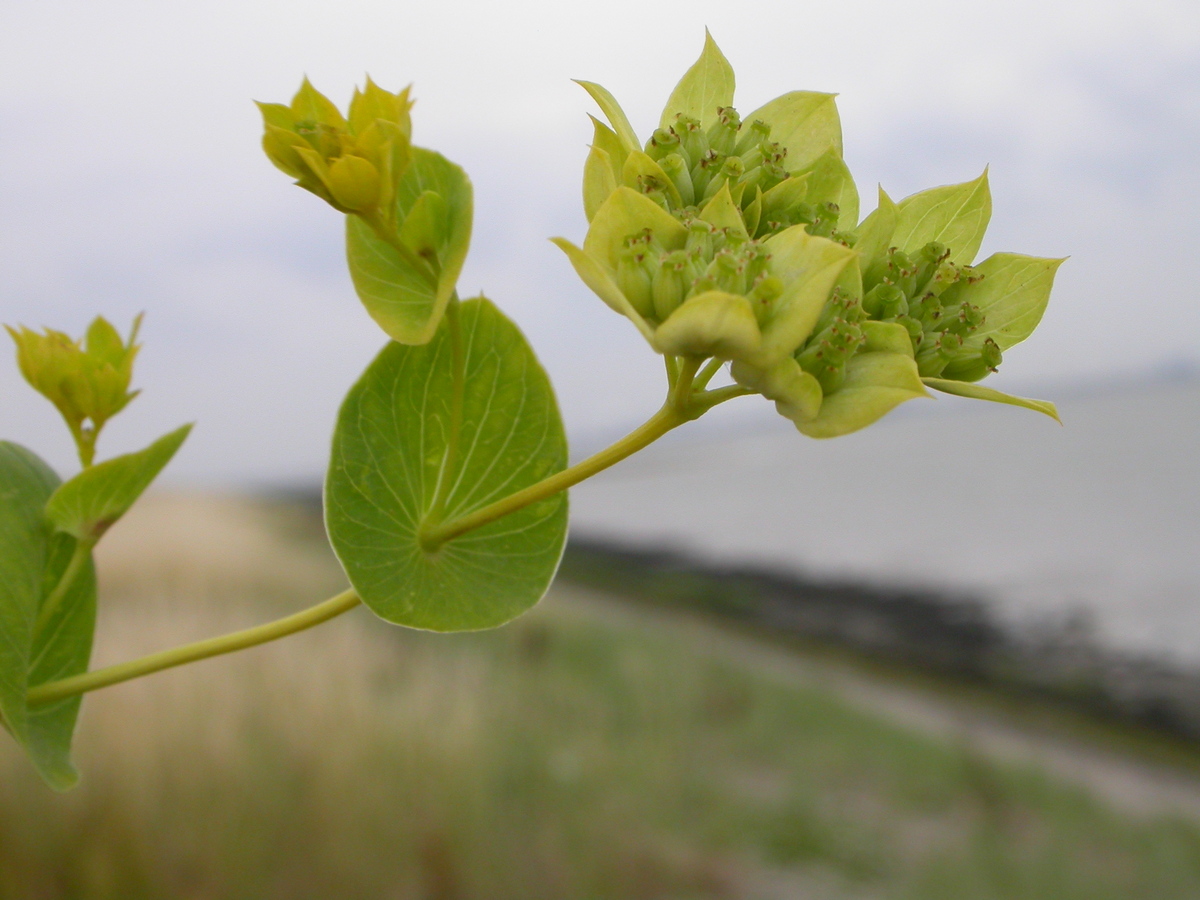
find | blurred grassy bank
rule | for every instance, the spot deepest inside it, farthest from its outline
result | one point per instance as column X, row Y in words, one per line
column 586, row 751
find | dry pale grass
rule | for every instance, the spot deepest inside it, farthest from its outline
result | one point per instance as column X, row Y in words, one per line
column 574, row 755
column 350, row 761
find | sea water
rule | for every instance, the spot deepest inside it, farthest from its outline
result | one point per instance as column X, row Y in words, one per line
column 1096, row 521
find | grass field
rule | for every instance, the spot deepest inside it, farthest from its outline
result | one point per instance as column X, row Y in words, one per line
column 583, row 752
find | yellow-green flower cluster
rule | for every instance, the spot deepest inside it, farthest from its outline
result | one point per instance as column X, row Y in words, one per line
column 87, row 381
column 408, row 209
column 739, row 239
column 352, row 162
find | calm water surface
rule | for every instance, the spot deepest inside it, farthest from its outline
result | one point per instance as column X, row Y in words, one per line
column 1100, row 517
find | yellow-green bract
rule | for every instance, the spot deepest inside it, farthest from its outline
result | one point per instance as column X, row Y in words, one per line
column 408, row 209
column 87, row 381
column 739, row 239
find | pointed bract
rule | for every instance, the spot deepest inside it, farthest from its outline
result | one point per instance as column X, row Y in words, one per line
column 982, row 392
column 704, row 89
column 956, row 215
column 876, row 383
column 805, row 122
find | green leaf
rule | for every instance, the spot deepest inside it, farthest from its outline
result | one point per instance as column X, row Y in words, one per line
column 403, row 301
column 603, row 168
column 391, row 460
column 796, row 393
column 808, row 266
column 875, row 232
column 979, row 392
column 1013, row 294
column 639, row 165
column 830, row 181
column 805, row 122
column 722, row 213
column 616, row 116
column 876, row 383
column 887, row 337
column 713, row 323
column 31, row 564
column 600, row 279
column 90, row 503
column 626, row 213
column 704, row 88
column 957, row 215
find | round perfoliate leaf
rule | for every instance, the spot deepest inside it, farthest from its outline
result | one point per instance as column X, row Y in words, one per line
column 397, row 464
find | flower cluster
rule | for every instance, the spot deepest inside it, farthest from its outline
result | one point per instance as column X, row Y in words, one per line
column 87, row 381
column 350, row 162
column 739, row 239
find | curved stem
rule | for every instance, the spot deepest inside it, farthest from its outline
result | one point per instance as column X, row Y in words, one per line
column 684, row 403
column 681, row 393
column 706, row 400
column 79, row 558
column 707, row 373
column 655, row 427
column 239, row 640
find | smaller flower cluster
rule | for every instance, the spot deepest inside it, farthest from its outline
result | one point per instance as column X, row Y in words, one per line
column 657, row 281
column 350, row 162
column 87, row 381
column 924, row 292
column 698, row 162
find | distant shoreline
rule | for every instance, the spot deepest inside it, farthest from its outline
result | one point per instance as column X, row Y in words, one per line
column 938, row 632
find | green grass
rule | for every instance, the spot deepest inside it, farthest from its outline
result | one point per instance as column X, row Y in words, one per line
column 575, row 754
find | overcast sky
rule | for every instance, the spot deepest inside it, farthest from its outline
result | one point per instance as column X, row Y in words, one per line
column 131, row 179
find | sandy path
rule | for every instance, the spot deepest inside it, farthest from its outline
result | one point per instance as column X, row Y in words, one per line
column 1134, row 785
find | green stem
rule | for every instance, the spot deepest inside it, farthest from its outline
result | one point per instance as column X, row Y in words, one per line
column 667, row 418
column 89, row 681
column 707, row 373
column 672, row 364
column 706, row 400
column 684, row 403
column 681, row 392
column 79, row 558
column 85, row 442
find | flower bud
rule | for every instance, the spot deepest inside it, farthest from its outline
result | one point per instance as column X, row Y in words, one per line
column 700, row 239
column 927, row 262
column 662, row 143
column 730, row 173
column 963, row 319
column 704, row 170
column 354, row 183
column 722, row 134
column 767, row 289
column 352, row 165
column 934, row 355
column 691, row 137
column 676, row 168
column 885, row 301
column 634, row 278
column 670, row 283
column 756, row 133
column 991, row 355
